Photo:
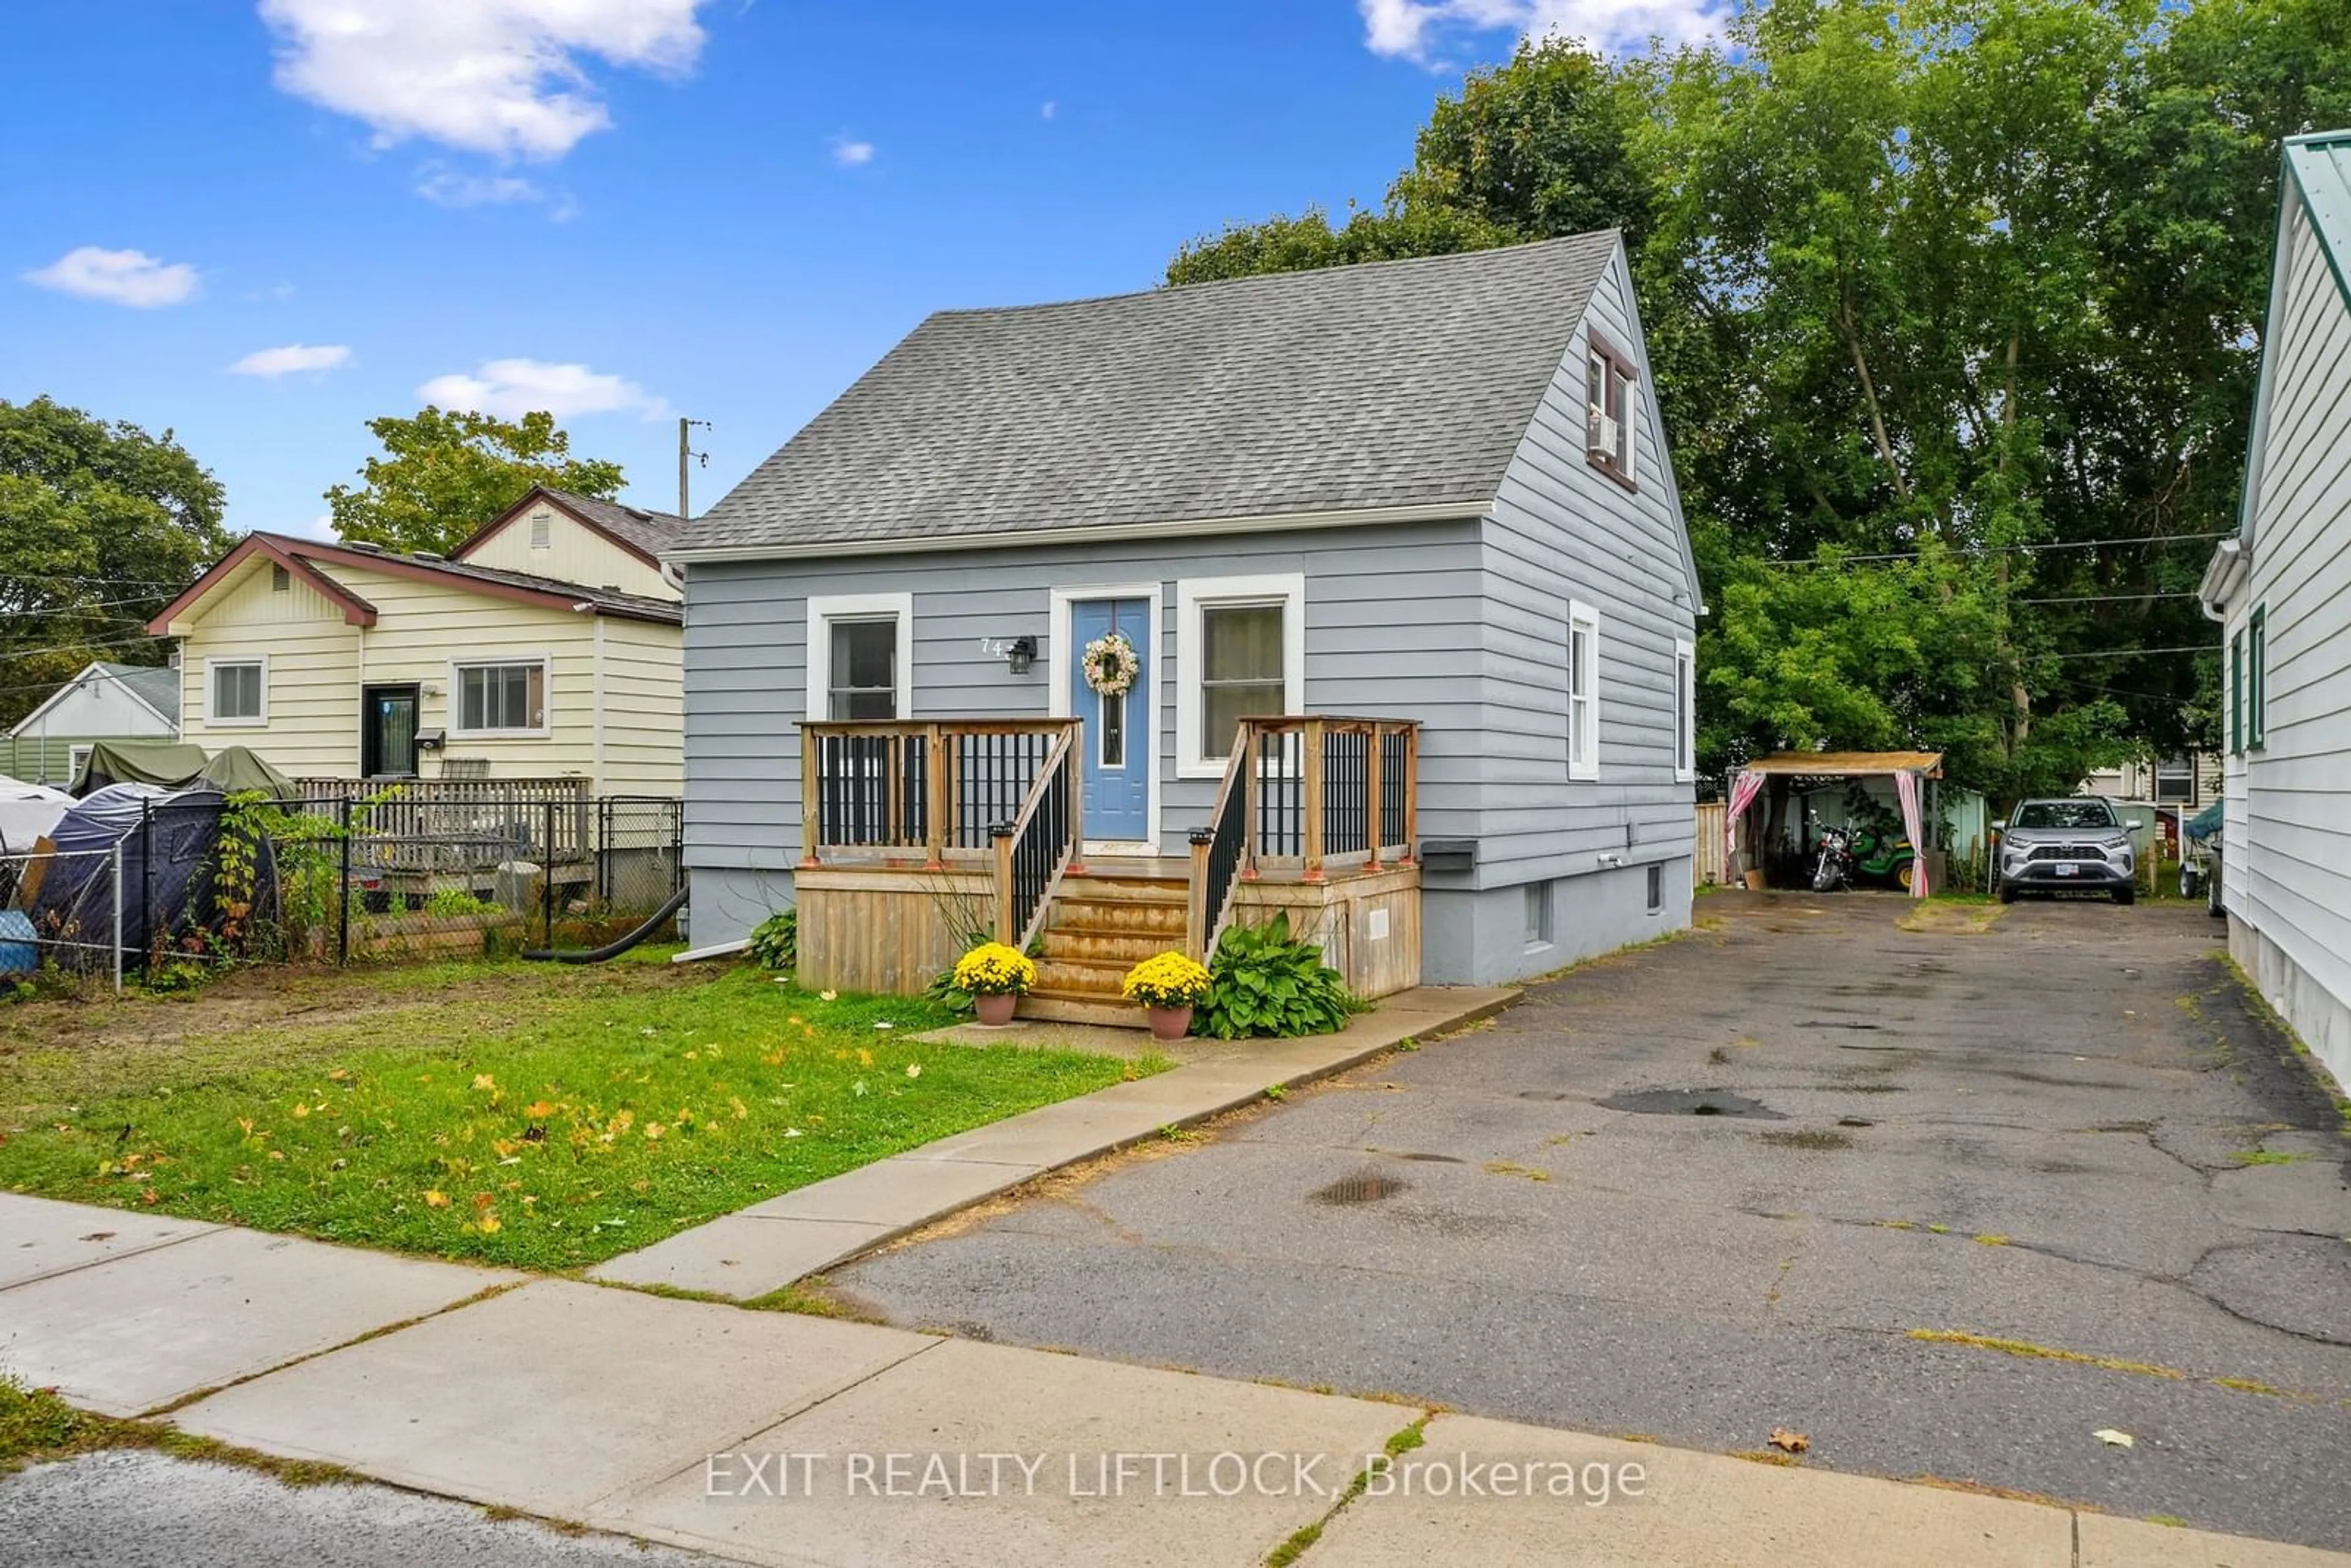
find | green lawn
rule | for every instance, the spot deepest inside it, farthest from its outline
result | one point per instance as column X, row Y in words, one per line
column 528, row 1115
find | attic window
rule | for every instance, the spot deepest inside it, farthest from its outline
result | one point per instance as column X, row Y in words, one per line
column 280, row 580
column 1612, row 410
column 540, row 530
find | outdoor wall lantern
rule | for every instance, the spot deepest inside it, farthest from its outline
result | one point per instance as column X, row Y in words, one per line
column 1020, row 654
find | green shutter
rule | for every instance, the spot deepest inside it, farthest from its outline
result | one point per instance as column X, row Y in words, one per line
column 2237, row 694
column 2257, row 660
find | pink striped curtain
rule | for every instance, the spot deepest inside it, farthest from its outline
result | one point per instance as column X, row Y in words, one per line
column 1907, row 787
column 1743, row 790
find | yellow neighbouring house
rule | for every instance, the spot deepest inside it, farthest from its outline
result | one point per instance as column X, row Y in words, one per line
column 545, row 646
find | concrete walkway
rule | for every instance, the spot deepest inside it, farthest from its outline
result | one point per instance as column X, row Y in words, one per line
column 766, row 1437
column 806, row 1231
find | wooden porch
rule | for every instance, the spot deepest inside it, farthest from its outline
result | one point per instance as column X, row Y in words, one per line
column 923, row 837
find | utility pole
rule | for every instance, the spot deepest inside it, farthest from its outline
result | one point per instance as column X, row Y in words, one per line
column 686, row 457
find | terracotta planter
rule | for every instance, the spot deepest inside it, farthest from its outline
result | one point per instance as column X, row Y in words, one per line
column 1170, row 1023
column 1754, row 881
column 994, row 1011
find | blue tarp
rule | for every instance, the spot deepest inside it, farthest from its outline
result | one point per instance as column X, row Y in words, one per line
column 2205, row 824
column 167, row 837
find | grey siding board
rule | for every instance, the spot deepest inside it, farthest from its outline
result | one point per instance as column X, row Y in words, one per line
column 1390, row 631
column 1562, row 531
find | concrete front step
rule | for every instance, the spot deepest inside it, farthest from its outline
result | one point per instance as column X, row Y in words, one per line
column 1073, row 1007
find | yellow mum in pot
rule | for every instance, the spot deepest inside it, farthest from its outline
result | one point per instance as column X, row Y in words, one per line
column 994, row 969
column 1166, row 980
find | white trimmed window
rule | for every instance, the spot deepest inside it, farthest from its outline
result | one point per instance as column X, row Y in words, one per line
column 237, row 690
column 506, row 696
column 1583, row 691
column 1241, row 652
column 860, row 656
column 1685, row 712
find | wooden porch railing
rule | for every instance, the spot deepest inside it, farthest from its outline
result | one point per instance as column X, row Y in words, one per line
column 1037, row 846
column 937, row 786
column 1320, row 791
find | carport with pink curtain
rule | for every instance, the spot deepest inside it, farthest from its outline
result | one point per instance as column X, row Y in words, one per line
column 1913, row 773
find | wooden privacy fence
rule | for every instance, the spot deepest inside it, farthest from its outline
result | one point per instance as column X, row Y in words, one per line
column 1710, row 858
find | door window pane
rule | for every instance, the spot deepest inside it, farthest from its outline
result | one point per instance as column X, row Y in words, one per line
column 1113, row 730
column 1241, row 671
column 864, row 669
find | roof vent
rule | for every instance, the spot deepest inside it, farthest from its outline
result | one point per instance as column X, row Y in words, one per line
column 364, row 548
column 427, row 555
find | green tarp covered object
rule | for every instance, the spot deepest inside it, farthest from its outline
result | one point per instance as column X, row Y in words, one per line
column 174, row 763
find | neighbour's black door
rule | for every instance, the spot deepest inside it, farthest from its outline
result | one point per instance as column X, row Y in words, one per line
column 388, row 732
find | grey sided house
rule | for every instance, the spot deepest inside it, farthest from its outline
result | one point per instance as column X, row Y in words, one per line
column 1390, row 605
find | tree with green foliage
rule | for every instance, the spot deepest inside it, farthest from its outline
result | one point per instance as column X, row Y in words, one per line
column 1952, row 313
column 445, row 473
column 101, row 525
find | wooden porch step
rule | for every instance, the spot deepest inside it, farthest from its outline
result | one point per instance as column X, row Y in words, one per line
column 1126, row 889
column 1128, row 948
column 1085, row 978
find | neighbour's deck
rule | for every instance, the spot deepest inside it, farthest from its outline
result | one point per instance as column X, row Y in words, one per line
column 925, row 838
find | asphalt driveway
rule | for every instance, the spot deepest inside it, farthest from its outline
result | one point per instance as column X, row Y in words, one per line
column 1949, row 1202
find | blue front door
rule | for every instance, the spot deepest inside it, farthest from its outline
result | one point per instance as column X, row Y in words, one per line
column 1115, row 736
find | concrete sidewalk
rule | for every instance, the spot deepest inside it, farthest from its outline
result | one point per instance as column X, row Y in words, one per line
column 769, row 1245
column 766, row 1437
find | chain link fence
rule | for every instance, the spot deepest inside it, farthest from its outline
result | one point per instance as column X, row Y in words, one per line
column 348, row 875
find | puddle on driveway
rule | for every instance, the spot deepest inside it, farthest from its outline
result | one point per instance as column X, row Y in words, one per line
column 1364, row 1187
column 1689, row 1103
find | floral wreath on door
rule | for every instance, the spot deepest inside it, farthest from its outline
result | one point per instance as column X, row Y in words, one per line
column 1112, row 664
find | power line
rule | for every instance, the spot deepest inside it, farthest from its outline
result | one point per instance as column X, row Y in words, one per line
column 2001, row 549
column 2105, row 598
column 2135, row 652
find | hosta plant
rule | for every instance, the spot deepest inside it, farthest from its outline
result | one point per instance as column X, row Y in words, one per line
column 1265, row 982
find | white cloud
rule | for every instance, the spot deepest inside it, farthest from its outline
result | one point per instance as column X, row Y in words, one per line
column 118, row 276
column 852, row 154
column 1416, row 29
column 1049, row 109
column 451, row 188
column 291, row 360
column 512, row 388
column 500, row 76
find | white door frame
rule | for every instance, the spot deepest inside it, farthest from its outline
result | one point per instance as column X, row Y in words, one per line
column 1060, row 655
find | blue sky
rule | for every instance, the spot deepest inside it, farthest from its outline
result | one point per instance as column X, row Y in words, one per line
column 634, row 209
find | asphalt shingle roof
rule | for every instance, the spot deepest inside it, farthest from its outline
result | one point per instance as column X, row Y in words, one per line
column 1388, row 385
column 652, row 532
column 156, row 686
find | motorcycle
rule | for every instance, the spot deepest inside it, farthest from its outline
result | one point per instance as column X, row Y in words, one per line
column 1832, row 866
column 1846, row 858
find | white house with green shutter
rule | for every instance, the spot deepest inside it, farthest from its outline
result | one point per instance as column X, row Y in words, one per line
column 2282, row 590
column 1363, row 593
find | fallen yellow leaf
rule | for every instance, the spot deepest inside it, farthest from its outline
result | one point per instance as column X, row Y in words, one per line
column 436, row 1200
column 490, row 1225
column 484, row 1081
column 538, row 1110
